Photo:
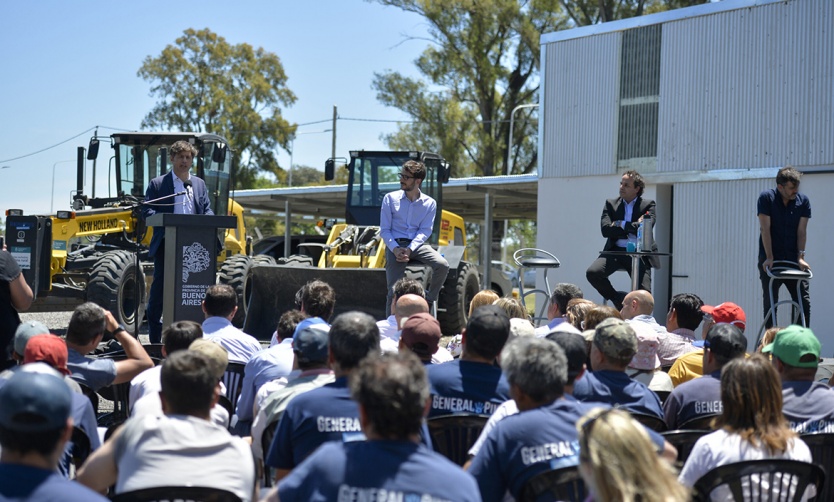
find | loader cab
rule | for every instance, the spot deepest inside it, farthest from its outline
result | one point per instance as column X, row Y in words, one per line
column 138, row 160
column 372, row 175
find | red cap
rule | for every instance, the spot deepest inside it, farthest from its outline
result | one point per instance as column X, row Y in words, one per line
column 727, row 312
column 49, row 349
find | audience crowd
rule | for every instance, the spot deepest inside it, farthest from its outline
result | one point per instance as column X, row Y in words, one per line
column 343, row 407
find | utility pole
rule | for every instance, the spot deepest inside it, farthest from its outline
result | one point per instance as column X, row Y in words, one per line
column 333, row 146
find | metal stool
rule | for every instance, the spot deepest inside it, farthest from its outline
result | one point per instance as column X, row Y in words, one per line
column 532, row 258
column 785, row 271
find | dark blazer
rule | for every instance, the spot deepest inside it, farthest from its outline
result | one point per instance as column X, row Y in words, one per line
column 614, row 210
column 162, row 186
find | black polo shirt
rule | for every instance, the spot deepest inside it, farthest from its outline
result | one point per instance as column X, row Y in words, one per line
column 784, row 223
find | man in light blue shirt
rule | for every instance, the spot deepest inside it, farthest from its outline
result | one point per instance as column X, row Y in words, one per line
column 406, row 221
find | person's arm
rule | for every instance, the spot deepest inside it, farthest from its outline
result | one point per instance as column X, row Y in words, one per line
column 425, row 228
column 137, row 360
column 151, row 193
column 385, row 224
column 21, row 293
column 101, row 471
column 243, row 410
column 801, row 239
column 611, row 228
column 764, row 226
column 204, row 201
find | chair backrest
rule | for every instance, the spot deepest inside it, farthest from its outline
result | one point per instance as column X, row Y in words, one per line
column 558, row 484
column 178, row 494
column 91, row 395
column 683, row 441
column 700, row 423
column 266, row 444
column 662, row 394
column 453, row 435
column 81, row 448
column 154, row 351
column 822, row 451
column 652, row 422
column 761, row 480
column 233, row 380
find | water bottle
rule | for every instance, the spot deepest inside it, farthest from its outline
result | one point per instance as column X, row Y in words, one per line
column 640, row 237
column 648, row 241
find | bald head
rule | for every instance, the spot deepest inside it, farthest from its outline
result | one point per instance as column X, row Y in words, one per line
column 637, row 303
column 408, row 305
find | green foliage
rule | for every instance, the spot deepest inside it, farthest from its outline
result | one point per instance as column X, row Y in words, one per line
column 587, row 12
column 483, row 62
column 206, row 84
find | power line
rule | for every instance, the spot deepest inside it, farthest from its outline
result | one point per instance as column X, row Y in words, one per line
column 62, row 142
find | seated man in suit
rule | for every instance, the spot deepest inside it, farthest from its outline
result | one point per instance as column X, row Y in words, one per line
column 620, row 219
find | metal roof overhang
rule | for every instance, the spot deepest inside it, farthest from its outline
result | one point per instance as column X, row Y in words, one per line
column 510, row 197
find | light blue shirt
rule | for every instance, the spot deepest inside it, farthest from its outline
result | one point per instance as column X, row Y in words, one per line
column 399, row 218
column 94, row 373
column 183, row 204
column 265, row 366
column 629, row 211
column 240, row 346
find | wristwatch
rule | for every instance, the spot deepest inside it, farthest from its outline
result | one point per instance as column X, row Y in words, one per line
column 802, row 253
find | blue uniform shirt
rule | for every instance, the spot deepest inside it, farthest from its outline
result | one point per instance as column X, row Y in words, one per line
column 784, row 222
column 697, row 398
column 616, row 388
column 466, row 387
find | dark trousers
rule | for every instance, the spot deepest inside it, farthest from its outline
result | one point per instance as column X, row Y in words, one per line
column 154, row 312
column 425, row 254
column 602, row 268
column 791, row 286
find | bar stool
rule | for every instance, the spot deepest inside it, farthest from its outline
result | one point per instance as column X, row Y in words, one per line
column 532, row 258
column 783, row 270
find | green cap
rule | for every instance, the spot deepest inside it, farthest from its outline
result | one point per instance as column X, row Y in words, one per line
column 796, row 346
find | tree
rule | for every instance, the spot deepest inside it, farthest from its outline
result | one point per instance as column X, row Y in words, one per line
column 587, row 12
column 206, row 84
column 483, row 62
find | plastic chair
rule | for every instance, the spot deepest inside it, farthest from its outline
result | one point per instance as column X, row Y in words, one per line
column 663, row 395
column 652, row 422
column 533, row 259
column 822, row 451
column 453, row 435
column 154, row 351
column 683, row 440
column 233, row 380
column 760, row 480
column 558, row 484
column 177, row 494
column 266, row 444
column 81, row 448
column 703, row 423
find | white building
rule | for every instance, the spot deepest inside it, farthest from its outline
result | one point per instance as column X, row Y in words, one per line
column 707, row 103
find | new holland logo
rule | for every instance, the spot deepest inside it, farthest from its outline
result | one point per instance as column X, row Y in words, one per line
column 91, row 226
column 195, row 259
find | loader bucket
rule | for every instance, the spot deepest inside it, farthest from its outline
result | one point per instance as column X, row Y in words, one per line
column 274, row 288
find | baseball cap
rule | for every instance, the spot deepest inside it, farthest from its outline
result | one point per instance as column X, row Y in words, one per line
column 646, row 357
column 421, row 333
column 615, row 339
column 488, row 320
column 49, row 349
column 25, row 331
column 307, row 322
column 796, row 346
column 216, row 353
column 576, row 350
column 311, row 343
column 521, row 327
column 35, row 402
column 727, row 312
column 726, row 340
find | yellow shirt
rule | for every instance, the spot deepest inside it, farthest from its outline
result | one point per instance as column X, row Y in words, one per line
column 687, row 367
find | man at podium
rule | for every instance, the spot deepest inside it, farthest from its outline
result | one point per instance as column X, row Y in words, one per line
column 180, row 193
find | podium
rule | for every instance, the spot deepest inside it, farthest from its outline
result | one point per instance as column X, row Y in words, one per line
column 191, row 248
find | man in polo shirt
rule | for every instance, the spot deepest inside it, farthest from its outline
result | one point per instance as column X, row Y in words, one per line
column 807, row 404
column 406, row 221
column 326, row 413
column 473, row 383
column 690, row 365
column 219, row 307
column 783, row 219
column 684, row 317
column 613, row 348
column 701, row 397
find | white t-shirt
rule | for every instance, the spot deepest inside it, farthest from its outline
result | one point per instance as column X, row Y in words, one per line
column 721, row 448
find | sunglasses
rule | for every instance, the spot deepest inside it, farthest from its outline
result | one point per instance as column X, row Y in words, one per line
column 405, row 177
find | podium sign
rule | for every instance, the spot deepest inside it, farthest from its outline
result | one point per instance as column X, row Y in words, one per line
column 191, row 248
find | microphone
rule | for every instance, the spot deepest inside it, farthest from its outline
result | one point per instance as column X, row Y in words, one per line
column 187, row 184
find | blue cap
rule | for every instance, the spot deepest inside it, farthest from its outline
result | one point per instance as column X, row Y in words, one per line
column 311, row 343
column 35, row 402
column 307, row 322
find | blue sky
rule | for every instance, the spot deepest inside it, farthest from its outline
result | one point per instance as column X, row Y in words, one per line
column 70, row 65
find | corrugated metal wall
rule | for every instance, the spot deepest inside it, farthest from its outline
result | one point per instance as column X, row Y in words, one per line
column 748, row 88
column 581, row 100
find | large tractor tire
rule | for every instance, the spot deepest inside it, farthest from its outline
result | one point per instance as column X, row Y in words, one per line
column 113, row 285
column 263, row 259
column 421, row 274
column 298, row 260
column 453, row 304
column 235, row 273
